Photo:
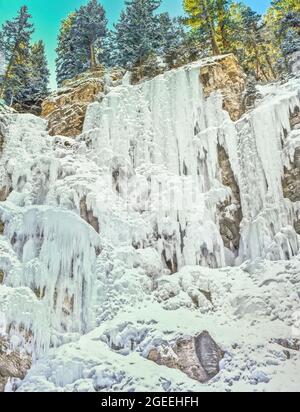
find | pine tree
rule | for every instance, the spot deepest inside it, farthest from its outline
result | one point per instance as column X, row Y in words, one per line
column 283, row 22
column 90, row 30
column 289, row 33
column 251, row 93
column 290, row 43
column 67, row 65
column 136, row 34
column 279, row 8
column 171, row 33
column 209, row 19
column 39, row 77
column 249, row 42
column 107, row 54
column 277, row 17
column 81, row 41
column 15, row 41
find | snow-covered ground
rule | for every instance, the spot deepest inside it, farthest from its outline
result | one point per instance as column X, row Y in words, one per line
column 111, row 238
column 252, row 306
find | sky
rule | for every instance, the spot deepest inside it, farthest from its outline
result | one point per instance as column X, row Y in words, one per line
column 47, row 15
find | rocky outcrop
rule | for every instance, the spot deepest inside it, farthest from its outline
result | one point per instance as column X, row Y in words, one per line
column 65, row 108
column 3, row 110
column 295, row 119
column 230, row 212
column 291, row 344
column 291, row 181
column 4, row 192
column 225, row 74
column 198, row 357
column 87, row 215
column 291, row 174
column 13, row 364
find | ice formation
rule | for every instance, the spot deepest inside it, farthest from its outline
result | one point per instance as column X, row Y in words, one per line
column 113, row 239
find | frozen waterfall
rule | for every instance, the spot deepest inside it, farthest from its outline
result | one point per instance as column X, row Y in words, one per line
column 161, row 178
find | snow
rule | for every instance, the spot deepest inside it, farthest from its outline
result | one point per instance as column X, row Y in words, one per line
column 246, row 318
column 21, row 310
column 146, row 166
column 57, row 256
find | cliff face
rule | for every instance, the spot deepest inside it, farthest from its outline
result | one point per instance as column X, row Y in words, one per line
column 65, row 108
column 159, row 221
column 226, row 76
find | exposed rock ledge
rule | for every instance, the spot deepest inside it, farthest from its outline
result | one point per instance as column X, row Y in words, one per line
column 65, row 108
column 291, row 175
column 226, row 75
column 13, row 364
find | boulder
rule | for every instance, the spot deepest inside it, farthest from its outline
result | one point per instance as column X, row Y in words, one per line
column 198, row 357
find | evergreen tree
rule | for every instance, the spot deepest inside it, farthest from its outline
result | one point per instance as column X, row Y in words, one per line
column 290, row 43
column 90, row 30
column 282, row 20
column 171, row 33
column 39, row 78
column 67, row 66
column 251, row 93
column 137, row 33
column 278, row 16
column 210, row 20
column 289, row 33
column 279, row 8
column 108, row 54
column 81, row 40
column 15, row 42
column 248, row 42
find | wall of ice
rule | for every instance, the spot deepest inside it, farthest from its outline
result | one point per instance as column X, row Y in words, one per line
column 91, row 223
column 162, row 137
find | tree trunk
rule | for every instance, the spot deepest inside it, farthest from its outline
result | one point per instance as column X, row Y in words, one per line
column 265, row 52
column 221, row 24
column 268, row 60
column 214, row 44
column 213, row 38
column 259, row 68
column 93, row 57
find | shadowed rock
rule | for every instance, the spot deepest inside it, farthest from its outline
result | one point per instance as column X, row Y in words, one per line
column 229, row 217
column 12, row 364
column 227, row 76
column 198, row 357
column 88, row 215
column 208, row 353
column 292, row 344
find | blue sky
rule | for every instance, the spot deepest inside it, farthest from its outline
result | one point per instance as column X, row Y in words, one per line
column 48, row 14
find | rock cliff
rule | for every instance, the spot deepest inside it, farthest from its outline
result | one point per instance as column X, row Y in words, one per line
column 226, row 76
column 65, row 108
